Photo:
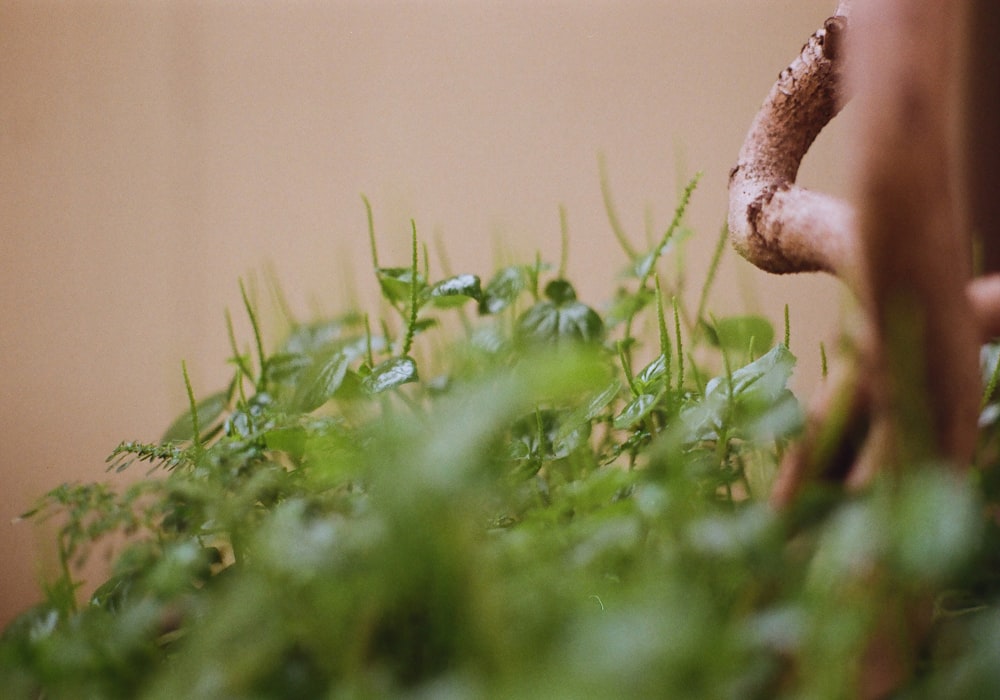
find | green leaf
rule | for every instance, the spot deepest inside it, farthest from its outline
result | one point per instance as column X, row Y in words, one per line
column 763, row 380
column 309, row 338
column 753, row 394
column 396, row 283
column 209, row 410
column 290, row 439
column 560, row 291
column 320, row 381
column 546, row 435
column 734, row 333
column 602, row 400
column 547, row 322
column 560, row 319
column 635, row 411
column 390, row 374
column 423, row 324
column 455, row 291
column 284, row 367
column 503, row 289
column 653, row 376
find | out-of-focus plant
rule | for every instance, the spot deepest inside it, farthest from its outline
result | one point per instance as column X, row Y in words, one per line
column 502, row 491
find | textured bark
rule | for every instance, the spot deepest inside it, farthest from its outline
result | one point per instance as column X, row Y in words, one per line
column 775, row 224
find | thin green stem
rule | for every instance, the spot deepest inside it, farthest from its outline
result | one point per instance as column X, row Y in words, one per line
column 278, row 294
column 371, row 231
column 713, row 268
column 238, row 357
column 563, row 241
column 680, row 348
column 70, row 592
column 256, row 336
column 609, row 207
column 368, row 343
column 665, row 347
column 195, row 426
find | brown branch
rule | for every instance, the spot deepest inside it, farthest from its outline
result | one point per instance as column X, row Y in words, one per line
column 773, row 223
column 784, row 228
column 838, row 440
column 984, row 295
column 915, row 254
column 981, row 143
column 912, row 397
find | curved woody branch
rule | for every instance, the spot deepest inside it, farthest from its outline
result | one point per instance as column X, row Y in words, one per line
column 783, row 228
column 773, row 223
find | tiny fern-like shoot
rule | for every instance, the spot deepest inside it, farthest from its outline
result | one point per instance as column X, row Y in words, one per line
column 661, row 323
column 822, row 359
column 674, row 224
column 665, row 347
column 563, row 241
column 788, row 329
column 411, row 324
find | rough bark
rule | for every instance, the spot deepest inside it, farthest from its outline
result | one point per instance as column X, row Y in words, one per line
column 775, row 224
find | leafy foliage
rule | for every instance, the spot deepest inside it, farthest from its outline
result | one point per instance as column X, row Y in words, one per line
column 518, row 514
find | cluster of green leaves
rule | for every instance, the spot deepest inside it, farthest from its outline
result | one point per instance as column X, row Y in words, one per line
column 555, row 501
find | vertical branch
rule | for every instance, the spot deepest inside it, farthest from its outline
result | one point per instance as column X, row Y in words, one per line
column 915, row 253
column 981, row 127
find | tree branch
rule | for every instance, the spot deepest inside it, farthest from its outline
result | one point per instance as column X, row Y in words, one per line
column 915, row 250
column 773, row 223
column 981, row 133
column 911, row 396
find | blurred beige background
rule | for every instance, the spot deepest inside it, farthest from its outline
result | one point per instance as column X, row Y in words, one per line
column 153, row 153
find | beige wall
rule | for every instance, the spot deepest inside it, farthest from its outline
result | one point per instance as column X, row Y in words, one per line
column 152, row 153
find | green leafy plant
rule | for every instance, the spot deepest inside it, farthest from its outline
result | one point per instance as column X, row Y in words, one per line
column 545, row 503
